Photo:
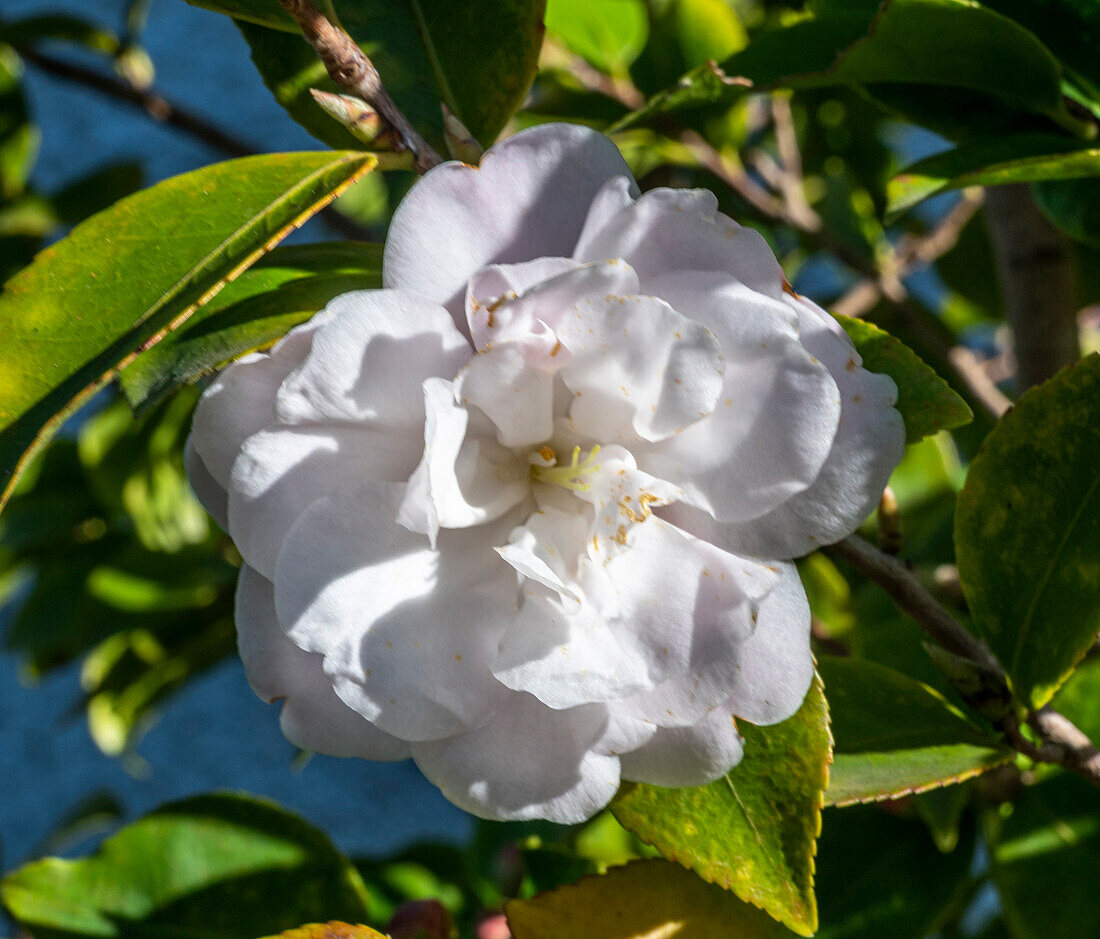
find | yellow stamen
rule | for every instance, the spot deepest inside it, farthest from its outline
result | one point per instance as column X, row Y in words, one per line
column 570, row 476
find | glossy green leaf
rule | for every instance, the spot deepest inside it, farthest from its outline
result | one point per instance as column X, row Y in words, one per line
column 213, row 866
column 752, row 831
column 478, row 58
column 284, row 288
column 996, row 162
column 925, row 400
column 1046, row 861
column 894, row 735
column 1073, row 205
column 122, row 279
column 642, row 900
column 1027, row 532
column 608, row 33
column 881, row 875
column 937, row 43
column 1069, row 28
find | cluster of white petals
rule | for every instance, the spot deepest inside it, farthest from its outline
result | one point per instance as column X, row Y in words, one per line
column 526, row 514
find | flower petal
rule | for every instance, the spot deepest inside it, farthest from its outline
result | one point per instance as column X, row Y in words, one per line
column 638, row 368
column 687, row 756
column 776, row 664
column 869, row 443
column 529, row 762
column 313, row 717
column 464, row 478
column 241, row 399
column 210, row 493
column 282, row 470
column 515, row 395
column 528, row 199
column 698, row 607
column 408, row 633
column 677, row 230
column 516, row 314
column 777, row 415
column 368, row 361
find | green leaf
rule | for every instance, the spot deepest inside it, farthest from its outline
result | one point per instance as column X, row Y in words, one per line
column 881, row 875
column 60, row 27
column 1073, row 205
column 937, row 43
column 1027, row 532
column 1069, row 28
column 122, row 279
column 894, row 735
column 220, row 865
column 284, row 288
column 641, row 900
column 478, row 58
column 608, row 33
column 753, row 830
column 1019, row 158
column 1047, row 860
column 925, row 400
column 1079, row 698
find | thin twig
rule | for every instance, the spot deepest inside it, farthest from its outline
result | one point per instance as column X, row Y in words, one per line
column 978, row 380
column 350, row 68
column 1058, row 739
column 914, row 599
column 154, row 104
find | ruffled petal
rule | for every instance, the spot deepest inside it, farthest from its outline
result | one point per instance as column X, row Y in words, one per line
column 281, row 471
column 368, row 361
column 313, row 717
column 241, row 399
column 515, row 395
column 687, row 756
column 869, row 443
column 664, row 619
column 699, row 605
column 408, row 633
column 212, row 495
column 529, row 762
column 528, row 199
column 520, row 313
column 464, row 478
column 638, row 369
column 777, row 416
column 776, row 664
column 677, row 230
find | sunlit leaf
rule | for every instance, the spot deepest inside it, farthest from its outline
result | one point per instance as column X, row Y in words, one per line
column 753, row 830
column 893, row 735
column 88, row 304
column 643, row 900
column 212, row 866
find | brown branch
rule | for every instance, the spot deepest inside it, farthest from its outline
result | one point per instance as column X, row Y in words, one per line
column 1058, row 739
column 158, row 107
column 350, row 68
column 914, row 599
column 1035, row 266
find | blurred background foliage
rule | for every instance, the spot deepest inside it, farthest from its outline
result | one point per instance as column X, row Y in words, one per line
column 106, row 559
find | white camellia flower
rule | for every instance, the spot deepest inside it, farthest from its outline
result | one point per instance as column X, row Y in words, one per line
column 526, row 514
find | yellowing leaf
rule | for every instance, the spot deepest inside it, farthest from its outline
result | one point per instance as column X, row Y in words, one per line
column 650, row 899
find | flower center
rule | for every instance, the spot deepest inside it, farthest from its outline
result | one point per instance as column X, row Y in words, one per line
column 567, row 475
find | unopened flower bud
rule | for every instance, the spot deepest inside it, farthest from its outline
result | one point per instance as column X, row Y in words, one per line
column 364, row 123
